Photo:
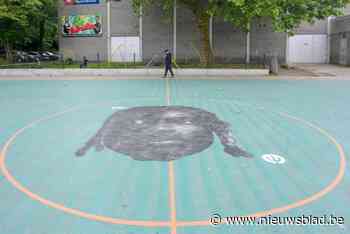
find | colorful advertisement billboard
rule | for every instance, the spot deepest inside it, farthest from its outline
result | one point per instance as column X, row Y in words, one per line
column 82, row 25
column 78, row 2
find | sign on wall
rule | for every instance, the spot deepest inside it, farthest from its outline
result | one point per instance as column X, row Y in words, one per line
column 126, row 49
column 82, row 25
column 78, row 2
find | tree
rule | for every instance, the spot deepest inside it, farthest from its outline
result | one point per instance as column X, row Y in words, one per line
column 45, row 24
column 14, row 18
column 27, row 23
column 286, row 15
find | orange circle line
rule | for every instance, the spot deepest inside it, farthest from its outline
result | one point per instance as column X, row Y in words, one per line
column 307, row 200
column 171, row 176
column 172, row 197
column 172, row 223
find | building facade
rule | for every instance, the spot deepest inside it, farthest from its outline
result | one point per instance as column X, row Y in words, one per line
column 340, row 39
column 110, row 30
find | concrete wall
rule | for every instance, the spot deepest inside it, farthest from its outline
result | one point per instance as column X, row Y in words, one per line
column 340, row 24
column 187, row 40
column 124, row 22
column 157, row 34
column 335, row 49
column 77, row 47
column 347, row 10
column 319, row 27
column 340, row 31
column 265, row 41
column 229, row 43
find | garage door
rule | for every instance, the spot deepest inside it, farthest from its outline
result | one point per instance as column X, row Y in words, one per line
column 125, row 49
column 308, row 49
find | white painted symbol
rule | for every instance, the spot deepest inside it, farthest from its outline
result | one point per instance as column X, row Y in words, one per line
column 273, row 158
column 118, row 107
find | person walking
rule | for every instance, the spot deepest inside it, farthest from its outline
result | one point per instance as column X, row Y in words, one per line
column 168, row 64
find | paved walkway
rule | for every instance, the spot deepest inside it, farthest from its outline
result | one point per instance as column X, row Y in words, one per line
column 323, row 70
column 296, row 72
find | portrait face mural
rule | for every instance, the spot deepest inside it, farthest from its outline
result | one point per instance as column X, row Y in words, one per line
column 162, row 133
column 82, row 25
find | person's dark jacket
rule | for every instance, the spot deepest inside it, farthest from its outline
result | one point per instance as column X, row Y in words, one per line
column 168, row 59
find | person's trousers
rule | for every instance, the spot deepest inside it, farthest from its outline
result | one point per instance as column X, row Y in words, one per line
column 167, row 69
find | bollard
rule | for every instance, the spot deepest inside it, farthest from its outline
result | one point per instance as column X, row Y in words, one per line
column 62, row 60
column 84, row 63
column 98, row 59
column 274, row 66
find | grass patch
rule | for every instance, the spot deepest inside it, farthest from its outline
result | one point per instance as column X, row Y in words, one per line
column 222, row 66
column 60, row 65
column 116, row 65
column 3, row 61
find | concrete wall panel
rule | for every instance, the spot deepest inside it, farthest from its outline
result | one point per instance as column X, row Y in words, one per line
column 229, row 43
column 264, row 41
column 157, row 34
column 319, row 27
column 124, row 21
column 340, row 32
column 77, row 47
column 188, row 37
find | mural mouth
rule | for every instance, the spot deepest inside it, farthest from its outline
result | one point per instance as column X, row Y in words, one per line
column 162, row 133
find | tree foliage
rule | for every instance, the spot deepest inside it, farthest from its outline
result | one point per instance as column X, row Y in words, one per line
column 285, row 15
column 27, row 23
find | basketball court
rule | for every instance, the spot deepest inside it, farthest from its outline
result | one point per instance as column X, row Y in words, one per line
column 154, row 156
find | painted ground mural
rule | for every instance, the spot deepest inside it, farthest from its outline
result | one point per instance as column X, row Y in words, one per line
column 162, row 133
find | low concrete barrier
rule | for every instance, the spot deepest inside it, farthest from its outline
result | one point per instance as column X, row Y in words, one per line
column 129, row 72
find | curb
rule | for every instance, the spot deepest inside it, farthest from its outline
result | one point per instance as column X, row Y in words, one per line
column 129, row 72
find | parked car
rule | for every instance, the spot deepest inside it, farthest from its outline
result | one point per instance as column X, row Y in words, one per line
column 21, row 57
column 2, row 52
column 35, row 56
column 52, row 55
column 45, row 56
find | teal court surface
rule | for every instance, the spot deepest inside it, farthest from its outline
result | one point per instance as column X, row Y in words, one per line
column 295, row 135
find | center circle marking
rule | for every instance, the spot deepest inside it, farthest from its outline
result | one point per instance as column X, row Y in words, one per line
column 153, row 223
